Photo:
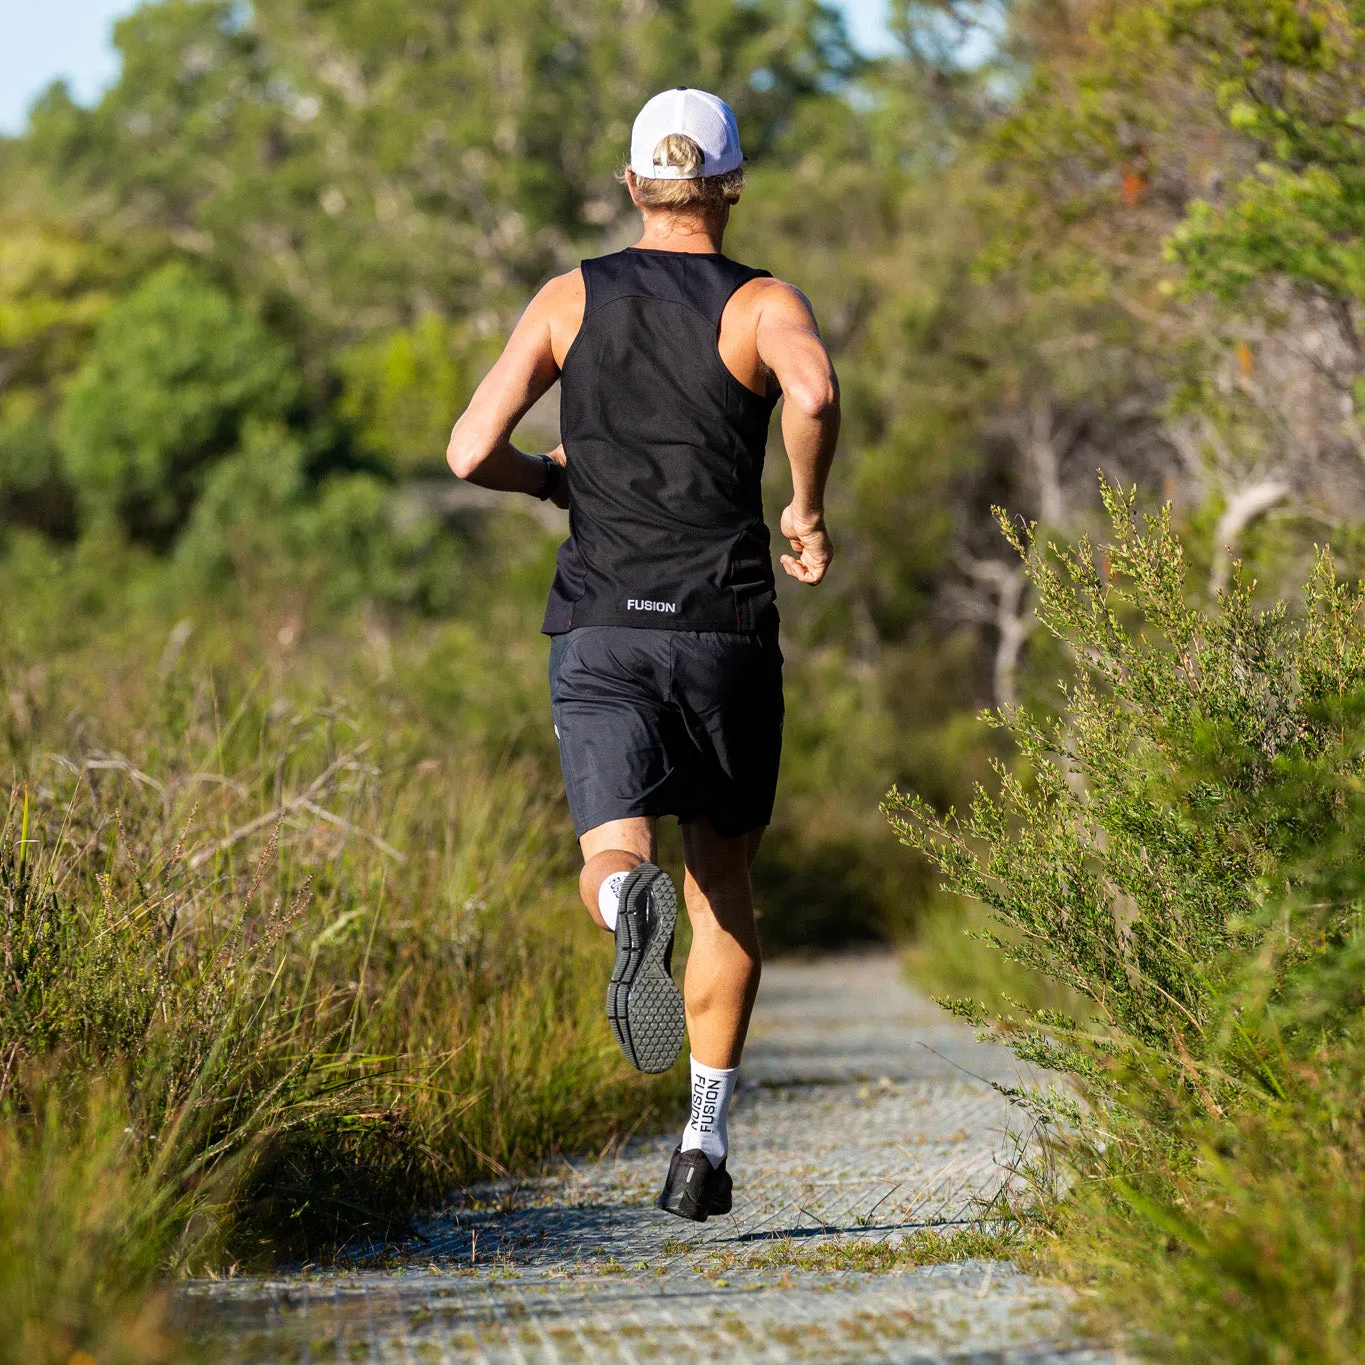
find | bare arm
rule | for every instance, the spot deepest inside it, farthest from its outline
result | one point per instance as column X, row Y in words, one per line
column 789, row 345
column 481, row 448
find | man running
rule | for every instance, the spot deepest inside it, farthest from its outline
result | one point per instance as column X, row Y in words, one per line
column 665, row 673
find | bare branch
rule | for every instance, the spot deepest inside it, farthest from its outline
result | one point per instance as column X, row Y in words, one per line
column 303, row 799
column 1001, row 604
column 313, row 809
column 1244, row 506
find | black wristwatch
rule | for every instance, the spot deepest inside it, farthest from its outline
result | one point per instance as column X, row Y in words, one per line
column 550, row 484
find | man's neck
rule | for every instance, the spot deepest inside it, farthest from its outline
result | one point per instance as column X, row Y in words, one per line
column 674, row 232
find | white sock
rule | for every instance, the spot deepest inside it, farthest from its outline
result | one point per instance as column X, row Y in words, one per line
column 711, row 1091
column 609, row 898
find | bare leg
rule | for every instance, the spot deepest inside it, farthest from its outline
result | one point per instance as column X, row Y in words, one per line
column 723, row 966
column 617, row 846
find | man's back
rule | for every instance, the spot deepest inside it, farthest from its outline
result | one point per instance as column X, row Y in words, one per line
column 664, row 449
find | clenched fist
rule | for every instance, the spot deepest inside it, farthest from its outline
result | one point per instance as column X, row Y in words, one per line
column 810, row 540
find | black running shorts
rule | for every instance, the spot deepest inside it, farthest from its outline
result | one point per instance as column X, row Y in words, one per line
column 668, row 722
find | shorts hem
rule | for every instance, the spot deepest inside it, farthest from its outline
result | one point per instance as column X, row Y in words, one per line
column 727, row 829
column 633, row 811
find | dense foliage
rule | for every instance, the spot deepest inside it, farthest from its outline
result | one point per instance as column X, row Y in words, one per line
column 1180, row 850
column 1174, row 850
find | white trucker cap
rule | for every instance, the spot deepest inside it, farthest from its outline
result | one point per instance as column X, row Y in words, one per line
column 706, row 119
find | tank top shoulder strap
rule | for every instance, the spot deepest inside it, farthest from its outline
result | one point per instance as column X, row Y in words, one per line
column 701, row 283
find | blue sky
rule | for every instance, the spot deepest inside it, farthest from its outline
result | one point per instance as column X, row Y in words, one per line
column 50, row 38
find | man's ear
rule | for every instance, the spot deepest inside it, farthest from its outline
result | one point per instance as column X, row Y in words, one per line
column 630, row 185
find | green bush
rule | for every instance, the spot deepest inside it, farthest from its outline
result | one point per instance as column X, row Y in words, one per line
column 404, row 388
column 175, row 369
column 1144, row 836
column 261, row 522
column 1180, row 848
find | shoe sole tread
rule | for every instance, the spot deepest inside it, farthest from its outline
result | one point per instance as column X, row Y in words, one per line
column 644, row 1005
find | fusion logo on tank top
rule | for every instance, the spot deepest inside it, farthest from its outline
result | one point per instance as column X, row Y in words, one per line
column 636, row 604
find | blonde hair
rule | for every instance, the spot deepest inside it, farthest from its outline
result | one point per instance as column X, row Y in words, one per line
column 703, row 193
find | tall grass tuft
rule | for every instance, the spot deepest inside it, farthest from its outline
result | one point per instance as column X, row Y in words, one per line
column 276, row 972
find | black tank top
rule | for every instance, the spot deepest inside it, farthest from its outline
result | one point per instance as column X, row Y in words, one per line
column 665, row 455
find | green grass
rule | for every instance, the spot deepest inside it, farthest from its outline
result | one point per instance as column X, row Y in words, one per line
column 926, row 1247
column 289, row 950
column 1249, row 1248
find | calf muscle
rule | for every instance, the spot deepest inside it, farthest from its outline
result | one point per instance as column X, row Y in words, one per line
column 724, row 965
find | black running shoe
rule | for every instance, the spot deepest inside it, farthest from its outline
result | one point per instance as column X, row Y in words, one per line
column 695, row 1189
column 644, row 1006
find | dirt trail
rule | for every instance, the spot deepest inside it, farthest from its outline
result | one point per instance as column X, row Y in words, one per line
column 865, row 1115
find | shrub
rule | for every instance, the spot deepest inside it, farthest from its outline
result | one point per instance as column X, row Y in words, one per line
column 261, row 522
column 1203, row 765
column 404, row 387
column 1179, row 846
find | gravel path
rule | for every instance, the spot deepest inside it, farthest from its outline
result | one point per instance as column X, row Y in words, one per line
column 864, row 1116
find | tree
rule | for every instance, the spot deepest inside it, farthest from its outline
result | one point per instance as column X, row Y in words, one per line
column 1288, row 77
column 364, row 177
column 1182, row 177
column 55, row 286
column 176, row 369
column 372, row 165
